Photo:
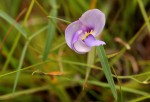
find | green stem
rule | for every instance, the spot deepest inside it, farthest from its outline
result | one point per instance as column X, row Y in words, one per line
column 11, row 52
column 24, row 49
column 140, row 99
column 121, row 93
column 25, row 92
column 143, row 11
column 90, row 61
column 20, row 65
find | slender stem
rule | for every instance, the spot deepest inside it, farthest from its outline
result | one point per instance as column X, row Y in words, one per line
column 24, row 49
column 143, row 11
column 90, row 61
column 121, row 93
column 43, row 10
column 29, row 91
column 11, row 52
column 20, row 65
column 60, row 19
column 140, row 99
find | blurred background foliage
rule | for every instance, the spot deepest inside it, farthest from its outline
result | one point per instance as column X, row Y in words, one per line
column 37, row 65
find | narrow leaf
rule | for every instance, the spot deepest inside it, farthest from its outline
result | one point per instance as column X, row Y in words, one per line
column 12, row 22
column 50, row 34
column 143, row 11
column 24, row 48
column 90, row 61
column 59, row 19
column 106, row 69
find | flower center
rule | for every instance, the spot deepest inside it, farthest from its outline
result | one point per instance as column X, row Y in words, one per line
column 86, row 34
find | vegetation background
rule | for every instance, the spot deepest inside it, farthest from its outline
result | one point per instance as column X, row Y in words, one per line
column 36, row 65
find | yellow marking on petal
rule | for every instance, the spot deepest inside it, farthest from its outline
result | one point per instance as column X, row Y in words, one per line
column 87, row 34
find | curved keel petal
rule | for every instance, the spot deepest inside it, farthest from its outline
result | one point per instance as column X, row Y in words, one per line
column 80, row 47
column 91, row 41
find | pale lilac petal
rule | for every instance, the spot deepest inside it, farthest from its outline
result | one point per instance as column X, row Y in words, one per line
column 80, row 47
column 71, row 30
column 76, row 37
column 91, row 41
column 93, row 19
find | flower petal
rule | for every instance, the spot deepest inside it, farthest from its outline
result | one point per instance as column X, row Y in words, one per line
column 75, row 37
column 93, row 19
column 91, row 41
column 71, row 30
column 80, row 47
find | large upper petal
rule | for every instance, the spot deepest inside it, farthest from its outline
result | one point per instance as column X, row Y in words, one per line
column 93, row 19
column 71, row 30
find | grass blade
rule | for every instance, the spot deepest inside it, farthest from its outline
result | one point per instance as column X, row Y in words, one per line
column 24, row 49
column 12, row 22
column 140, row 99
column 90, row 61
column 11, row 52
column 24, row 92
column 106, row 69
column 50, row 33
column 59, row 19
column 20, row 65
column 125, row 89
column 143, row 11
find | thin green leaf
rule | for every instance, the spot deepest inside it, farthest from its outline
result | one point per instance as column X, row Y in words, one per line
column 120, row 88
column 12, row 22
column 140, row 99
column 24, row 49
column 106, row 85
column 50, row 33
column 23, row 55
column 106, row 69
column 20, row 65
column 59, row 19
column 24, row 92
column 141, row 5
column 90, row 61
column 126, row 89
column 11, row 52
column 37, row 33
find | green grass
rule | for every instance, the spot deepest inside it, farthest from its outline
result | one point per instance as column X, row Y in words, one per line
column 32, row 41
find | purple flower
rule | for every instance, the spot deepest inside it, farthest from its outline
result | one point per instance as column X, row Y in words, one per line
column 80, row 35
